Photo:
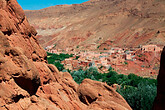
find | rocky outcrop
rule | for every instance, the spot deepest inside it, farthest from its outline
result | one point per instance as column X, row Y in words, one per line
column 27, row 82
column 100, row 96
column 159, row 102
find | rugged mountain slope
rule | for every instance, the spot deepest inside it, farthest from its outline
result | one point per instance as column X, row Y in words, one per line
column 27, row 82
column 124, row 23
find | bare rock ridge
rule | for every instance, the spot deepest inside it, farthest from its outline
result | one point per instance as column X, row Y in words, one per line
column 160, row 98
column 101, row 23
column 27, row 82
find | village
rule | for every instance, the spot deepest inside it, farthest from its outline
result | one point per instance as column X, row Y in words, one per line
column 142, row 61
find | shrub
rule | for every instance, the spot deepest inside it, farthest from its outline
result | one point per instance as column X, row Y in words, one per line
column 110, row 77
column 98, row 46
column 77, row 57
column 126, row 63
column 78, row 76
column 110, row 68
column 139, row 55
column 135, row 80
column 59, row 65
column 140, row 97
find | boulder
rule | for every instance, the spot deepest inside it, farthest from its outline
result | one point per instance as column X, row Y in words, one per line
column 100, row 96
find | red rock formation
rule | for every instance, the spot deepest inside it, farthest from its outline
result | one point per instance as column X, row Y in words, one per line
column 27, row 82
column 121, row 23
column 159, row 103
column 98, row 96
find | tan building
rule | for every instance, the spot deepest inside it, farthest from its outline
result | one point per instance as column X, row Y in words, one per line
column 128, row 57
column 151, row 48
column 117, row 60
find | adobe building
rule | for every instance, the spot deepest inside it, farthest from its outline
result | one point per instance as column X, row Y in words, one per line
column 150, row 48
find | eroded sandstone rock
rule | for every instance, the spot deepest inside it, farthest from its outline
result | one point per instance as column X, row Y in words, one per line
column 100, row 96
column 27, row 82
column 159, row 103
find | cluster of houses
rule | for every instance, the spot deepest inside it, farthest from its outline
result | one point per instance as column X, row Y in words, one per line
column 102, row 60
column 151, row 48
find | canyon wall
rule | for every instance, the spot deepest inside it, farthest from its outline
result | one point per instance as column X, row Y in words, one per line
column 159, row 102
column 27, row 82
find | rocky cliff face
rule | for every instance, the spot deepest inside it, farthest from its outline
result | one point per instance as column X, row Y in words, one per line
column 27, row 82
column 159, row 102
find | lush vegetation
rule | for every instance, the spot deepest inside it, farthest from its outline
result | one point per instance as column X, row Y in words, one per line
column 140, row 97
column 139, row 92
column 56, row 59
column 77, row 57
column 90, row 73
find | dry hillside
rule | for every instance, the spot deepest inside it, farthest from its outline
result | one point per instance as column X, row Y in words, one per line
column 123, row 23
